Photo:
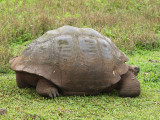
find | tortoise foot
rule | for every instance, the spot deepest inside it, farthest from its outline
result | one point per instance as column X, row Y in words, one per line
column 46, row 88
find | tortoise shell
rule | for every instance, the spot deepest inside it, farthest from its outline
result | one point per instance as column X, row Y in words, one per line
column 74, row 59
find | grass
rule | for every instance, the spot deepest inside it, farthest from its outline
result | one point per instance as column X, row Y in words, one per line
column 134, row 26
column 26, row 104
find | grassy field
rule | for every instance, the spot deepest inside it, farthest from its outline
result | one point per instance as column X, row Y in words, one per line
column 26, row 104
column 134, row 26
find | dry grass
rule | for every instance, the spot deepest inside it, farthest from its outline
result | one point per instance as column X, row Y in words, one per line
column 130, row 24
column 5, row 55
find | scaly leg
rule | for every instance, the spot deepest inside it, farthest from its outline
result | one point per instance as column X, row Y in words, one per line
column 129, row 85
column 25, row 80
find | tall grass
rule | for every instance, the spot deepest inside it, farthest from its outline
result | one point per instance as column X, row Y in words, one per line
column 130, row 24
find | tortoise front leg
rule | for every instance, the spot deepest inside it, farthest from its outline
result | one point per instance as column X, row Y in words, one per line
column 46, row 88
column 129, row 85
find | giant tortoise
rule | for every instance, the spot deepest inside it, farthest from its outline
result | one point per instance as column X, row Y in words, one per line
column 75, row 61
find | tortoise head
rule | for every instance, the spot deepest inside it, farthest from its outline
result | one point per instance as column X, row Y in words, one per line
column 135, row 69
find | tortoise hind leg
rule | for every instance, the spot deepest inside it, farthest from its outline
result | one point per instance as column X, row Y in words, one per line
column 25, row 80
column 129, row 85
column 46, row 88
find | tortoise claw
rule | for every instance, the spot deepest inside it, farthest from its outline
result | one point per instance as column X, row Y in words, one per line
column 50, row 95
column 55, row 95
column 53, row 92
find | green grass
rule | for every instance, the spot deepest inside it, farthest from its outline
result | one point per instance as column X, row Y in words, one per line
column 26, row 104
column 132, row 25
